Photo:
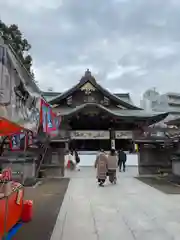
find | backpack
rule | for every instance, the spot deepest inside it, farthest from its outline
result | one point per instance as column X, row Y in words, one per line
column 77, row 159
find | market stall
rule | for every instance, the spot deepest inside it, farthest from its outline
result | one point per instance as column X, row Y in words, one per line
column 12, row 192
column 11, row 203
column 23, row 116
column 19, row 113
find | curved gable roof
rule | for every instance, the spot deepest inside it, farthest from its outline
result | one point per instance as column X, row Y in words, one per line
column 132, row 115
column 89, row 78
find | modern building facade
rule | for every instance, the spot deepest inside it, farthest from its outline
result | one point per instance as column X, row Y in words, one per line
column 95, row 118
column 152, row 100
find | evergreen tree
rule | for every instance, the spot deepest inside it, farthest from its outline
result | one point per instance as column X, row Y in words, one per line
column 13, row 37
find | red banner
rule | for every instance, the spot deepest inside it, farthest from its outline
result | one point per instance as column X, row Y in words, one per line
column 48, row 118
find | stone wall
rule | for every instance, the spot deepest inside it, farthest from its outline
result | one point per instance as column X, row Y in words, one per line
column 22, row 171
column 154, row 160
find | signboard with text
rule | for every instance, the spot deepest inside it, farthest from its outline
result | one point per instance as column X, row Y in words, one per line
column 123, row 135
column 99, row 134
column 90, row 135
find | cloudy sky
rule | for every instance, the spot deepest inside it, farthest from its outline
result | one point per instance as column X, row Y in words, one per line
column 129, row 45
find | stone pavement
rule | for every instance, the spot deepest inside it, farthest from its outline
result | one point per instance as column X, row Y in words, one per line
column 129, row 210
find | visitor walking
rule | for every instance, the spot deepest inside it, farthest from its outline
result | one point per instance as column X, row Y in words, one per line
column 71, row 163
column 122, row 160
column 102, row 168
column 112, row 166
column 77, row 158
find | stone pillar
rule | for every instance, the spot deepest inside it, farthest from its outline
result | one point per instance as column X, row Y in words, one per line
column 153, row 160
column 112, row 138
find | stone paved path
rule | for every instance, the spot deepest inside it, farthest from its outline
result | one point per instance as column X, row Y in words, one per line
column 130, row 210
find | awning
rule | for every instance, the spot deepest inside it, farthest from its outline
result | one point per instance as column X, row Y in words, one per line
column 8, row 128
column 47, row 118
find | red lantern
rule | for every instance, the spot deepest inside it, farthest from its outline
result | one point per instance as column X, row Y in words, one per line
column 27, row 213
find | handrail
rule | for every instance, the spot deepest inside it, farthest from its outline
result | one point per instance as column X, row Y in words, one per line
column 41, row 161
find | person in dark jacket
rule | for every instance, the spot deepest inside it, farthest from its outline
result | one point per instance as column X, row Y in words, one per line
column 122, row 160
column 77, row 158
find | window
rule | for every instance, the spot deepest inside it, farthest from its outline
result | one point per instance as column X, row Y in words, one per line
column 154, row 104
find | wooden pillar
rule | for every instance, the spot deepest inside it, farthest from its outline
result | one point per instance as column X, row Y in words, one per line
column 61, row 156
column 66, row 146
column 61, row 159
column 135, row 133
column 48, row 157
column 112, row 138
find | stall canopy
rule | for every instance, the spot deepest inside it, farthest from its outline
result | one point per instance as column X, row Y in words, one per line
column 21, row 102
column 8, row 128
column 47, row 119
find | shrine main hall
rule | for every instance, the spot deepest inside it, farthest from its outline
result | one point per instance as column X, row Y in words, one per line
column 96, row 118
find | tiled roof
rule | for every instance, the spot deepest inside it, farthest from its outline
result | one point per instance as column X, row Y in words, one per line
column 132, row 115
column 123, row 96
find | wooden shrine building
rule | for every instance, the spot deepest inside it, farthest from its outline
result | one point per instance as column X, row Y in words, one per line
column 94, row 118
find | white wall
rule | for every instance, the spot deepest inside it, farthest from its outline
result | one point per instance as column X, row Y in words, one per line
column 87, row 159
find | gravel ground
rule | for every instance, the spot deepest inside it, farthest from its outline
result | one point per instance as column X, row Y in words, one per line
column 48, row 198
column 162, row 185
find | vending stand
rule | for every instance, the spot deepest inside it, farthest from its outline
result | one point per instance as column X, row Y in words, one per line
column 11, row 204
column 22, row 110
column 11, row 192
column 14, row 211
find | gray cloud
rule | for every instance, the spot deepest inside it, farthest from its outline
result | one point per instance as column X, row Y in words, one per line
column 128, row 44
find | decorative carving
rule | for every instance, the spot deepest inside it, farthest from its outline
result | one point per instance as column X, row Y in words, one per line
column 121, row 107
column 88, row 88
column 69, row 100
column 106, row 101
column 55, row 105
column 87, row 73
column 89, row 99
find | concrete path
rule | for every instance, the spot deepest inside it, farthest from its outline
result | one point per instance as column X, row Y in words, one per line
column 129, row 210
